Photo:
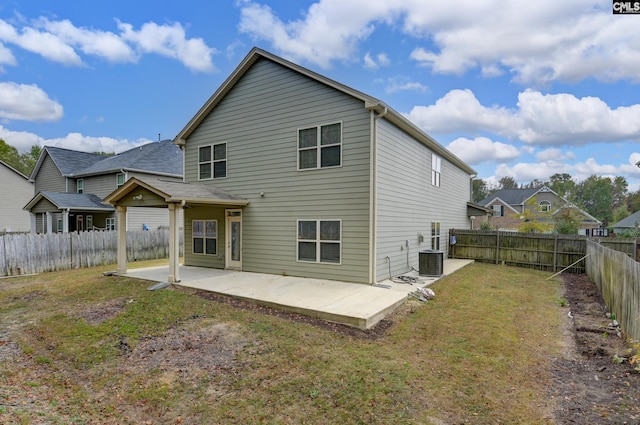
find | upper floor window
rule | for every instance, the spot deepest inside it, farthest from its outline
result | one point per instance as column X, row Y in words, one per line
column 80, row 185
column 436, row 163
column 498, row 210
column 320, row 147
column 212, row 161
column 120, row 179
column 545, row 206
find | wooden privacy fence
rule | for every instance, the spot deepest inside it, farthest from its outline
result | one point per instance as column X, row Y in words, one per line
column 38, row 253
column 618, row 278
column 541, row 251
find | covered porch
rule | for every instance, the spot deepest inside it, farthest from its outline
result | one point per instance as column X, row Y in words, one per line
column 176, row 196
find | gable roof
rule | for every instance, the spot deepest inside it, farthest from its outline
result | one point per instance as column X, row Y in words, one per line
column 370, row 103
column 510, row 196
column 71, row 201
column 630, row 222
column 164, row 158
column 68, row 161
column 176, row 191
column 9, row 167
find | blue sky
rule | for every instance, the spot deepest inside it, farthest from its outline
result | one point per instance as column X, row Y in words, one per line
column 520, row 88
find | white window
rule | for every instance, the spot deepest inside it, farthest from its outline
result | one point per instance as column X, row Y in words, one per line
column 320, row 147
column 319, row 241
column 436, row 163
column 80, row 186
column 545, row 206
column 212, row 161
column 120, row 179
column 498, row 210
column 89, row 222
column 111, row 223
column 60, row 225
column 205, row 237
column 435, row 235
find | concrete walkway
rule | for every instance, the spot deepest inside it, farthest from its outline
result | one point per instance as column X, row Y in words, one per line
column 358, row 305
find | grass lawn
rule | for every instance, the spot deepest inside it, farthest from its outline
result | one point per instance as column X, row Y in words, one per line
column 79, row 347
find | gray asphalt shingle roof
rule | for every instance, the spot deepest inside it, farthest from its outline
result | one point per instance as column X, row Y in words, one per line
column 511, row 196
column 159, row 158
column 75, row 201
column 630, row 222
column 71, row 162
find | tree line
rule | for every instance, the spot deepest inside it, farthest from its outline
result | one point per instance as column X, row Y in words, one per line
column 607, row 199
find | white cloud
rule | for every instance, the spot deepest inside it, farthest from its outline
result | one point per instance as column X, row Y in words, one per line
column 91, row 42
column 401, row 83
column 330, row 30
column 482, row 149
column 61, row 41
column 536, row 42
column 554, row 155
column 170, row 41
column 376, row 62
column 540, row 119
column 6, row 57
column 460, row 111
column 28, row 103
column 45, row 44
column 23, row 141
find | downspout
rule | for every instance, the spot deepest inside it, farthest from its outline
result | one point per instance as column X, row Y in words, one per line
column 373, row 179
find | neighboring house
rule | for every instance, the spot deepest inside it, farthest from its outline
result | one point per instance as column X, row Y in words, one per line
column 288, row 172
column 70, row 185
column 630, row 223
column 513, row 207
column 17, row 191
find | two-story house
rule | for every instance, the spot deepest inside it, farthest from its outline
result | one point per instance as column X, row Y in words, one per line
column 513, row 207
column 289, row 172
column 70, row 185
column 18, row 190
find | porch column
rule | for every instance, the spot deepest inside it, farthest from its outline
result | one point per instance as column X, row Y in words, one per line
column 122, row 240
column 49, row 227
column 174, row 243
column 65, row 221
column 34, row 218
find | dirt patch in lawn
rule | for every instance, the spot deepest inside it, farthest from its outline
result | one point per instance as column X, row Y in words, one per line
column 589, row 386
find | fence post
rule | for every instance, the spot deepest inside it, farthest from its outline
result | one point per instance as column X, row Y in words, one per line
column 555, row 252
column 498, row 247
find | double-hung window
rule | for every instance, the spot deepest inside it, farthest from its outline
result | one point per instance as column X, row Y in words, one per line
column 212, row 161
column 80, row 186
column 111, row 223
column 320, row 147
column 319, row 241
column 120, row 179
column 436, row 163
column 205, row 237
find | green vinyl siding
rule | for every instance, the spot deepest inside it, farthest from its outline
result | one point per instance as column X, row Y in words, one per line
column 49, row 178
column 259, row 120
column 407, row 202
column 202, row 260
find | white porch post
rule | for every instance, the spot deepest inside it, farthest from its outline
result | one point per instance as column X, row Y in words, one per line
column 65, row 221
column 174, row 243
column 49, row 228
column 122, row 240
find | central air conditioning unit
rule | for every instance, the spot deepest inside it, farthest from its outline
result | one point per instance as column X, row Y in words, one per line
column 430, row 262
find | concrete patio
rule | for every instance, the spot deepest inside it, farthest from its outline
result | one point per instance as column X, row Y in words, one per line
column 353, row 304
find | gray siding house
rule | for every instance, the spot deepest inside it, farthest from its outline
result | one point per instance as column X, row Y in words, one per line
column 69, row 187
column 314, row 179
column 17, row 191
